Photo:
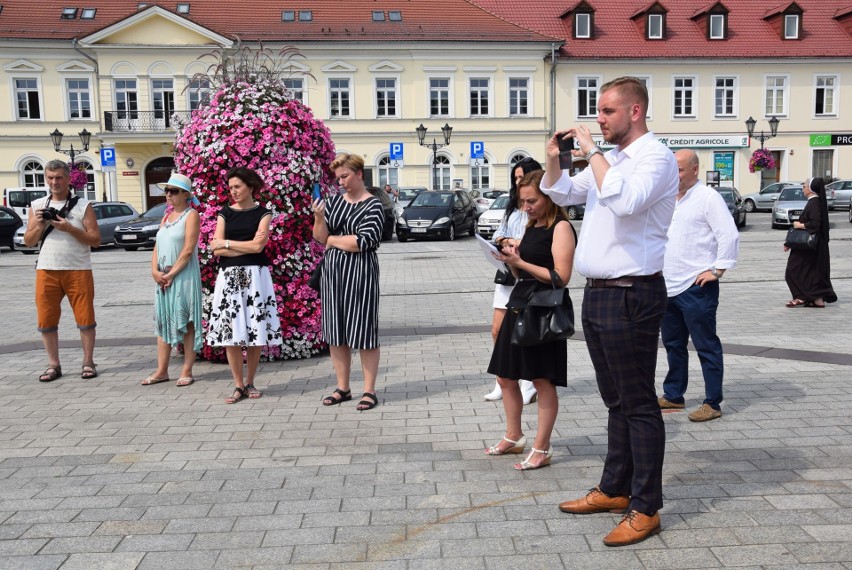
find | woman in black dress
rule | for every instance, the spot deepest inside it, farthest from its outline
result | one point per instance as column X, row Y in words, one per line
column 808, row 272
column 350, row 225
column 245, row 314
column 548, row 243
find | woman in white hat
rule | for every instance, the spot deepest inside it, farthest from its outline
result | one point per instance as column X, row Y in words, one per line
column 175, row 269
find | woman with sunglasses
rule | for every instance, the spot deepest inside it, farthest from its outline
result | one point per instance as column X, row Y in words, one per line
column 174, row 267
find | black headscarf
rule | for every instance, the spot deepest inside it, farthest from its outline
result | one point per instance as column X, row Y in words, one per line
column 817, row 186
column 528, row 165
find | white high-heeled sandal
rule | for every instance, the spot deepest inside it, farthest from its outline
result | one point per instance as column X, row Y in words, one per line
column 517, row 447
column 525, row 465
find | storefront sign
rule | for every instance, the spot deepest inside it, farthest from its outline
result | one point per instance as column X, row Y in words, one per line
column 831, row 140
column 695, row 141
column 723, row 162
column 130, row 173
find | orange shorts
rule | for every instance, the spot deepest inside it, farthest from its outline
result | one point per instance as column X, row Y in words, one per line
column 52, row 286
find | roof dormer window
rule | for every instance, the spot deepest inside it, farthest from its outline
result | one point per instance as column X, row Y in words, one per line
column 655, row 28
column 306, row 15
column 288, row 16
column 183, row 8
column 88, row 13
column 717, row 26
column 378, row 16
column 583, row 25
column 395, row 16
column 69, row 13
column 792, row 24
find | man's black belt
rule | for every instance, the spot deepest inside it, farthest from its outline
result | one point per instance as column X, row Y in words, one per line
column 624, row 281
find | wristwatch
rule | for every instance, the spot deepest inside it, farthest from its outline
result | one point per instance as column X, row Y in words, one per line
column 715, row 273
column 595, row 150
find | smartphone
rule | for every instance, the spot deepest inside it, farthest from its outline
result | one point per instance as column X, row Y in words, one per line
column 566, row 159
column 317, row 193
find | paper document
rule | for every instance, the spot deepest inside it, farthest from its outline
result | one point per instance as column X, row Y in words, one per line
column 489, row 250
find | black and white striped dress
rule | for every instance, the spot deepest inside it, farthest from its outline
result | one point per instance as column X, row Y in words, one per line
column 350, row 280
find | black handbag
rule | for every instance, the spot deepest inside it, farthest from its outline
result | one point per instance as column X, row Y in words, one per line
column 504, row 277
column 801, row 240
column 316, row 276
column 548, row 316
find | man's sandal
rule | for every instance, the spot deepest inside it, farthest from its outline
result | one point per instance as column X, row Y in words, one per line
column 345, row 396
column 252, row 392
column 89, row 371
column 52, row 373
column 368, row 402
column 239, row 394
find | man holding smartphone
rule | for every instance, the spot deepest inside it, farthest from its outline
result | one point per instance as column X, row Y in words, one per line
column 629, row 194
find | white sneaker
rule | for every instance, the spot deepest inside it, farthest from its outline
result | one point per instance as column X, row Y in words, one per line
column 528, row 391
column 495, row 394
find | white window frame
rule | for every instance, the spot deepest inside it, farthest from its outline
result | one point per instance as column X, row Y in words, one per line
column 720, row 19
column 785, row 94
column 396, row 92
column 735, row 103
column 791, row 20
column 433, row 169
column 490, row 93
column 510, row 89
column 484, row 166
column 66, row 96
column 22, row 172
column 588, row 25
column 115, row 96
column 662, row 22
column 351, row 92
column 835, row 94
column 592, row 109
column 693, row 90
column 834, row 156
column 648, row 83
column 190, row 90
column 163, row 90
column 383, row 171
column 303, row 91
column 450, row 95
column 88, row 194
column 27, row 76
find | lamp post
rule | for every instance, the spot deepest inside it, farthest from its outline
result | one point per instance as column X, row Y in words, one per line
column 447, row 130
column 85, row 138
column 773, row 129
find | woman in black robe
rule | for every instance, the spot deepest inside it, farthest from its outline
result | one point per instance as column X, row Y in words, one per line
column 808, row 271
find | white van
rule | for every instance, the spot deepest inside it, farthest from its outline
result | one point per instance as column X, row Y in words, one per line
column 19, row 199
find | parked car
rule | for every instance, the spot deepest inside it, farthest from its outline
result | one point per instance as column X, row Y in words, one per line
column 141, row 231
column 481, row 204
column 842, row 193
column 735, row 204
column 387, row 207
column 441, row 214
column 764, row 199
column 490, row 220
column 108, row 214
column 405, row 195
column 10, row 221
column 19, row 199
column 788, row 207
column 487, row 198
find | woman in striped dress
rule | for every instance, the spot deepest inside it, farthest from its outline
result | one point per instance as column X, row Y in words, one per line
column 350, row 225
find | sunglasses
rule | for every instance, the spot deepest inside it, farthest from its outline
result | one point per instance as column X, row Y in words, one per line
column 172, row 191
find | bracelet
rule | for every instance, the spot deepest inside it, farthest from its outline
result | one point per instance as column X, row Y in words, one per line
column 227, row 244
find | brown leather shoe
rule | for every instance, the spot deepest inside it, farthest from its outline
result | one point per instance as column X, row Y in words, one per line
column 634, row 527
column 595, row 501
column 669, row 405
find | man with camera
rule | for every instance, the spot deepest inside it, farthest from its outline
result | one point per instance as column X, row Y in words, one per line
column 66, row 228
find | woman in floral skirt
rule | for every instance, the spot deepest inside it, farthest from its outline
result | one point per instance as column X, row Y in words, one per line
column 244, row 314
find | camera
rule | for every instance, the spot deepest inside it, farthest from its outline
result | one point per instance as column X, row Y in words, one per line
column 51, row 214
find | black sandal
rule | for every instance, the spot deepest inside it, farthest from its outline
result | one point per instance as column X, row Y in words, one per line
column 345, row 396
column 51, row 373
column 239, row 394
column 92, row 371
column 366, row 404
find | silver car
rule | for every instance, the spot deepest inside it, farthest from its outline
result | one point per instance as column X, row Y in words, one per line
column 788, row 207
column 108, row 215
column 764, row 199
column 842, row 192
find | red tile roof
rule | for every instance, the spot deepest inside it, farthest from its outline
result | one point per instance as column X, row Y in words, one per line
column 333, row 20
column 827, row 29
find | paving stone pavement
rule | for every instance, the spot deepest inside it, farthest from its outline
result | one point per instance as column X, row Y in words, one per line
column 110, row 474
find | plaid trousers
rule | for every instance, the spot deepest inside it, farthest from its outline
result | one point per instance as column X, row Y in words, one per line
column 622, row 327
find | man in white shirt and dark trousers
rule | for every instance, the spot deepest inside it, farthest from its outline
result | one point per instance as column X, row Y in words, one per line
column 629, row 194
column 703, row 242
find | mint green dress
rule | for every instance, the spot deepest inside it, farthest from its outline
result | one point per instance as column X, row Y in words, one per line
column 180, row 304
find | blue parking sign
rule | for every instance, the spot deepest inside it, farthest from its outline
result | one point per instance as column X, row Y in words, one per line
column 396, row 151
column 107, row 157
column 477, row 149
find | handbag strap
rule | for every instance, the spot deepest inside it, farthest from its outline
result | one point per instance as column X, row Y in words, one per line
column 556, row 280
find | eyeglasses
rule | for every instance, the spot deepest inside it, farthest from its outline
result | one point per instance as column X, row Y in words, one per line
column 172, row 191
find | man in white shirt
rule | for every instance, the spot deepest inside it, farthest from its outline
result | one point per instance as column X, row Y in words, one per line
column 703, row 243
column 629, row 194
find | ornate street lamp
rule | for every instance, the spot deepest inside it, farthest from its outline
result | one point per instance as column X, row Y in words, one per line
column 447, row 131
column 773, row 129
column 85, row 138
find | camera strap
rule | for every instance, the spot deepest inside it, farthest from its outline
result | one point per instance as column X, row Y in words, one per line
column 69, row 205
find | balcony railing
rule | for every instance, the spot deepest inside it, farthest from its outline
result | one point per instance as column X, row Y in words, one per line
column 144, row 121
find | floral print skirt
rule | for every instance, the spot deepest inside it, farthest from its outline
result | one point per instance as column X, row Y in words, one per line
column 244, row 310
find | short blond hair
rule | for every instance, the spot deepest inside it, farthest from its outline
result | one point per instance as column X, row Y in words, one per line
column 351, row 161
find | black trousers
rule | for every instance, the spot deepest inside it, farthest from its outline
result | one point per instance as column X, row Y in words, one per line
column 622, row 327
